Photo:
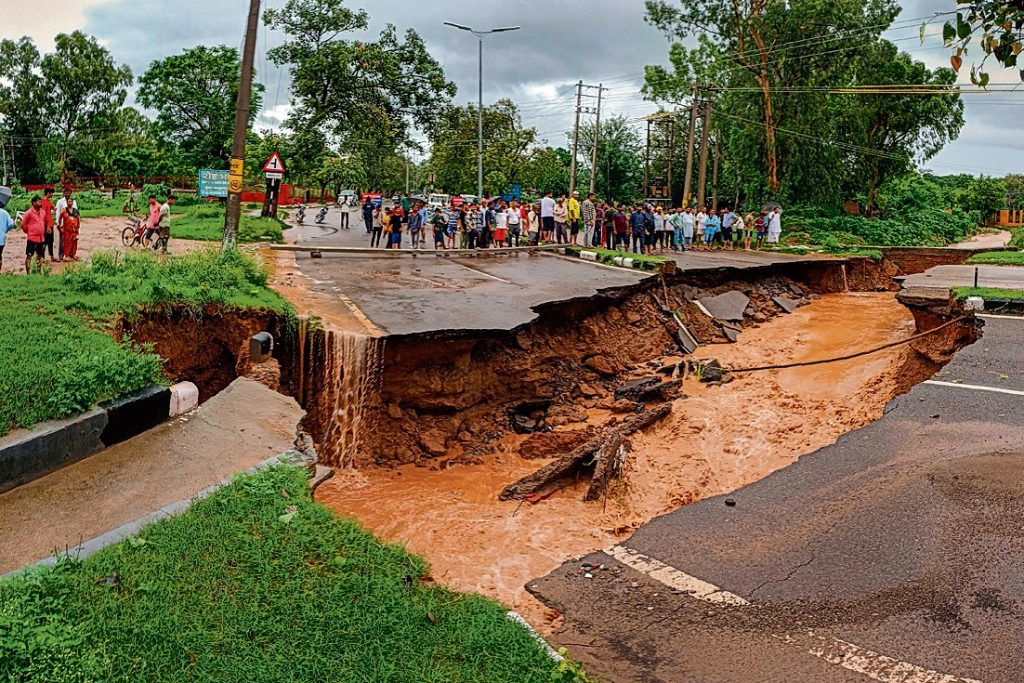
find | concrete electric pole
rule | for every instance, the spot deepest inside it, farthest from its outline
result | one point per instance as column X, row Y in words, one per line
column 236, row 178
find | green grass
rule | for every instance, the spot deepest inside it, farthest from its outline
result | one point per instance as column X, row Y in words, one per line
column 257, row 583
column 646, row 261
column 988, row 293
column 57, row 357
column 206, row 222
column 998, row 258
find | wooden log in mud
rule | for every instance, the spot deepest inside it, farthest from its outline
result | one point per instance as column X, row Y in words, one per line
column 605, row 467
column 564, row 465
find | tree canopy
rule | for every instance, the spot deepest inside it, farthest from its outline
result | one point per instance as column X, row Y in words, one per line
column 193, row 95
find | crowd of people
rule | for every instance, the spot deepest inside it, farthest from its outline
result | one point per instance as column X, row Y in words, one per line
column 50, row 229
column 640, row 229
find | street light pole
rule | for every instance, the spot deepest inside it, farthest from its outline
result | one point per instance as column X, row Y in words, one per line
column 480, row 107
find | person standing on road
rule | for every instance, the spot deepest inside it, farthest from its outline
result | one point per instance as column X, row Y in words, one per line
column 588, row 213
column 369, row 214
column 573, row 211
column 725, row 235
column 775, row 226
column 514, row 224
column 69, row 226
column 415, row 226
column 687, row 222
column 596, row 239
column 561, row 224
column 152, row 222
column 395, row 229
column 50, row 215
column 761, row 228
column 620, row 228
column 711, row 228
column 33, row 224
column 6, row 225
column 65, row 201
column 439, row 225
column 165, row 222
column 701, row 222
column 547, row 217
column 377, row 225
column 533, row 225
column 637, row 221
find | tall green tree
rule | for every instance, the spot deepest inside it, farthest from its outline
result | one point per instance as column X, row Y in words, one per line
column 355, row 91
column 194, row 95
column 546, row 169
column 454, row 147
column 83, row 85
column 619, row 158
column 20, row 118
column 769, row 47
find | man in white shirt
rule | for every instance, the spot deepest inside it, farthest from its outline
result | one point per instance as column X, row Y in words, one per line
column 62, row 203
column 547, row 216
column 775, row 226
column 165, row 222
column 701, row 220
column 686, row 220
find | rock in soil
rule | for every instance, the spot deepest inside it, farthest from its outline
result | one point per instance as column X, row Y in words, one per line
column 553, row 444
column 711, row 372
column 433, row 442
column 635, row 388
column 600, row 365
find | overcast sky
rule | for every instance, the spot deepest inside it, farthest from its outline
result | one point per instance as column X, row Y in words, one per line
column 561, row 42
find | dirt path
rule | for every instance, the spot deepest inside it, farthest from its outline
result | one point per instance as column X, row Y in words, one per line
column 717, row 440
column 986, row 240
column 97, row 234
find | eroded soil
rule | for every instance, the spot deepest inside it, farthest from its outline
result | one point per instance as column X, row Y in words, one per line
column 717, row 439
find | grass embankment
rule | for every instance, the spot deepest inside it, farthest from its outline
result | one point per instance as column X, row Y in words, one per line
column 57, row 357
column 645, row 261
column 206, row 222
column 257, row 583
column 989, row 293
column 998, row 258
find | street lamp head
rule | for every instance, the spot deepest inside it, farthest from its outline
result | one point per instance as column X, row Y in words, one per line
column 458, row 26
column 507, row 28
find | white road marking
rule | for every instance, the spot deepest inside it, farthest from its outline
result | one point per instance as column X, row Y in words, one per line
column 832, row 650
column 480, row 272
column 672, row 577
column 974, row 387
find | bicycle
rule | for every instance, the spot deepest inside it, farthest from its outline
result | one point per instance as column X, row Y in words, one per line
column 133, row 232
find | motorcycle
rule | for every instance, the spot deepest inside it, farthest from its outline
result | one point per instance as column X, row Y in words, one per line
column 300, row 213
column 321, row 215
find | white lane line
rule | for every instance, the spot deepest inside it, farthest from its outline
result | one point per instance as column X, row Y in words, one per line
column 974, row 387
column 480, row 272
column 832, row 650
column 672, row 577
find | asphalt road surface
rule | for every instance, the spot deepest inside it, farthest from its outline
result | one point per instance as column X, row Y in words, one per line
column 997, row 277
column 893, row 555
column 477, row 293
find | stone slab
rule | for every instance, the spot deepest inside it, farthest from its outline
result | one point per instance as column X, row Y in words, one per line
column 728, row 306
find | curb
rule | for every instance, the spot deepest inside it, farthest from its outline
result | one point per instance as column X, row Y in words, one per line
column 26, row 455
column 668, row 267
column 132, row 528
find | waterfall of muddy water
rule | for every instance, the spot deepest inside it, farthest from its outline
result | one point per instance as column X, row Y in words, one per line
column 350, row 391
column 716, row 440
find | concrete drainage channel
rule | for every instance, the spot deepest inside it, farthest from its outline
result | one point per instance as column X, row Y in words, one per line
column 26, row 455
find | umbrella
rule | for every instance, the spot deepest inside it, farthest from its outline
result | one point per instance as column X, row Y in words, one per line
column 771, row 206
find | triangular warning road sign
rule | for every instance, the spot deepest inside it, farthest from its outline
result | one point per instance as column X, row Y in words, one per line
column 274, row 164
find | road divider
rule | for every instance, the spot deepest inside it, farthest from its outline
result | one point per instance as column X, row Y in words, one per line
column 622, row 259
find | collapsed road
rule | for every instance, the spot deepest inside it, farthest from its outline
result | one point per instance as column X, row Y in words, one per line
column 459, row 357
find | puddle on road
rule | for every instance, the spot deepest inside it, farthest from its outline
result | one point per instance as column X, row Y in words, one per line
column 717, row 440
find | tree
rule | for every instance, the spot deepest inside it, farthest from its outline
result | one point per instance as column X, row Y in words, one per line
column 357, row 92
column 81, row 85
column 772, row 47
column 454, row 147
column 985, row 194
column 998, row 26
column 340, row 173
column 619, row 158
column 546, row 169
column 898, row 129
column 20, row 94
column 194, row 95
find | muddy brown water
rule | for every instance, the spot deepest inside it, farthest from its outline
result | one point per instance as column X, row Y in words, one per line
column 717, row 440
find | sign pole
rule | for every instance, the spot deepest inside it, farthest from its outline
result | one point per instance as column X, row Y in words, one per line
column 234, row 209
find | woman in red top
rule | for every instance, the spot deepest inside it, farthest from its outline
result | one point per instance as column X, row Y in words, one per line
column 69, row 226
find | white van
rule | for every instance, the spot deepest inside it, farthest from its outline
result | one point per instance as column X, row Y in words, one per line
column 439, row 201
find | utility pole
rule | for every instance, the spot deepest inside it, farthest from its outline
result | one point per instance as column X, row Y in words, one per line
column 235, row 179
column 575, row 137
column 688, row 183
column 714, row 178
column 3, row 151
column 597, row 136
column 702, row 177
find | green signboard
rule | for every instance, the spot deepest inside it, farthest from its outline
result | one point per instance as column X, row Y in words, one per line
column 213, row 183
